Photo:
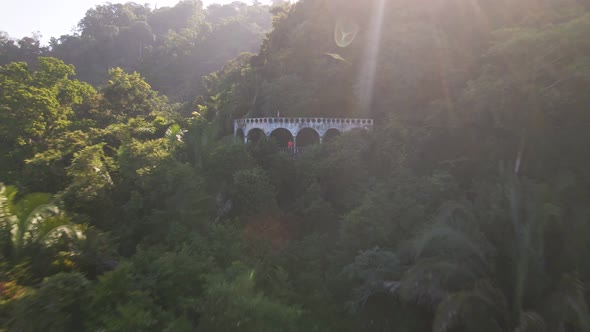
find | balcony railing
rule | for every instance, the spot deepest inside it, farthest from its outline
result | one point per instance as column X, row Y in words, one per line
column 297, row 150
column 300, row 120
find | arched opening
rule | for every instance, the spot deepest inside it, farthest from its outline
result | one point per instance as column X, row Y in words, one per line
column 307, row 137
column 240, row 134
column 255, row 135
column 282, row 136
column 331, row 134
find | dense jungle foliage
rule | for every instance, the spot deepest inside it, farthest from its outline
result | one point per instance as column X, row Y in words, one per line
column 128, row 205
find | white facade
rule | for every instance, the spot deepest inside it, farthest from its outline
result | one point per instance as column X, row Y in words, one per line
column 295, row 125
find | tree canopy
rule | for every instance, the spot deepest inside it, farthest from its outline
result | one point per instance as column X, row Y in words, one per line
column 129, row 205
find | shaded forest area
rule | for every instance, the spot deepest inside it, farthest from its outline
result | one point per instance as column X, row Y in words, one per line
column 129, row 206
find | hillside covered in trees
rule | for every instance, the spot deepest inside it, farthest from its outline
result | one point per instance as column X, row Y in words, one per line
column 172, row 47
column 128, row 205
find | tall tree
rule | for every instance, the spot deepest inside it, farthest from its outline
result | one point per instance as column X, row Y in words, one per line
column 35, row 107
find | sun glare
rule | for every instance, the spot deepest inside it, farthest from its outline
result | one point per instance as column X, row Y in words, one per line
column 369, row 67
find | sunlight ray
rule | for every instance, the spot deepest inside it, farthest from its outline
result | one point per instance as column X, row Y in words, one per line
column 369, row 67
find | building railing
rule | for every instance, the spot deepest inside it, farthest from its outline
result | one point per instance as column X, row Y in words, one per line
column 340, row 121
column 297, row 150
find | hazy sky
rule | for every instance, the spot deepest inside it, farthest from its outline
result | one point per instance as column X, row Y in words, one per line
column 53, row 18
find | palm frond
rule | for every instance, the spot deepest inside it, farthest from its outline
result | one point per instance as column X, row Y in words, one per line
column 175, row 134
column 378, row 271
column 25, row 207
column 6, row 216
column 431, row 280
column 26, row 229
column 465, row 309
column 494, row 298
column 55, row 227
column 567, row 304
column 7, row 220
column 448, row 312
column 454, row 241
column 71, row 231
column 9, row 193
column 374, row 264
column 531, row 321
column 444, row 238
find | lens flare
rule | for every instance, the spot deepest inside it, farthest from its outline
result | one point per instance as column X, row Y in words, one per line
column 345, row 32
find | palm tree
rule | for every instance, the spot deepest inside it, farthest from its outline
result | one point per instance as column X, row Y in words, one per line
column 32, row 221
column 473, row 280
column 174, row 136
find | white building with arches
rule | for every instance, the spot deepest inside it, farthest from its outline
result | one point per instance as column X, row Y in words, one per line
column 306, row 130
